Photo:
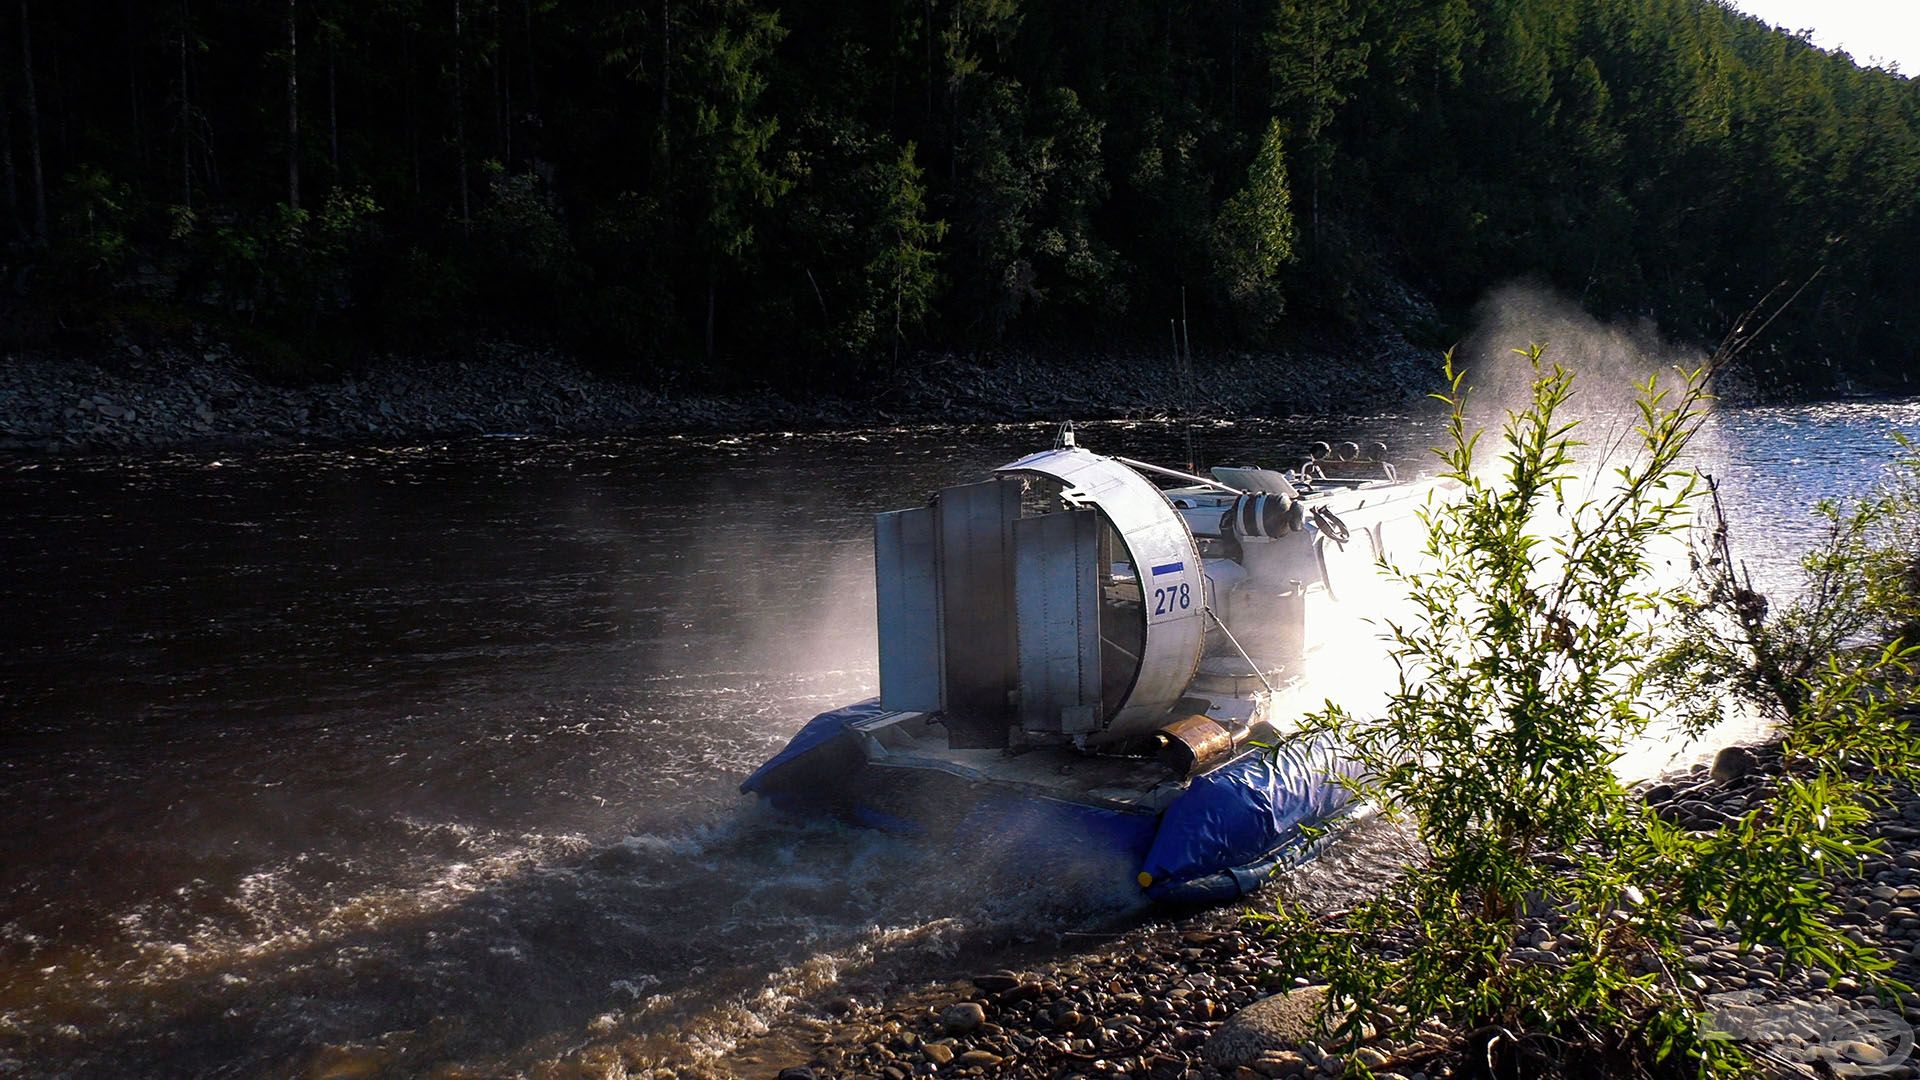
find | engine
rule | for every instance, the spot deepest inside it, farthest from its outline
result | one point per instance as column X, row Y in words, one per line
column 1070, row 599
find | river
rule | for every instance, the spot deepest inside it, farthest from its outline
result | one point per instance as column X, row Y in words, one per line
column 418, row 757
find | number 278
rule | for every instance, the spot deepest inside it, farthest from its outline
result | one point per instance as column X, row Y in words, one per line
column 1175, row 598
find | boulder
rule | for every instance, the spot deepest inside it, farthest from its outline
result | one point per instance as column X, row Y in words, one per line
column 1280, row 1021
column 1734, row 763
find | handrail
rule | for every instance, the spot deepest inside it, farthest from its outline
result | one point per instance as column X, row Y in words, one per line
column 1178, row 475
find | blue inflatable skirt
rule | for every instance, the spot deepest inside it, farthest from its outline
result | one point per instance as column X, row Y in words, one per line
column 1221, row 838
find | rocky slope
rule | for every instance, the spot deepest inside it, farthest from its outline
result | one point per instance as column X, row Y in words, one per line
column 131, row 397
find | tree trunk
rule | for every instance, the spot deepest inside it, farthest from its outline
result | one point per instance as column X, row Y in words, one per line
column 6, row 165
column 133, row 95
column 1233, row 67
column 1313, row 219
column 666, row 77
column 506, row 95
column 533, row 71
column 893, row 69
column 293, row 106
column 33, row 127
column 186, row 113
column 953, row 111
column 333, row 112
column 413, row 111
column 711, row 289
column 499, row 93
column 899, row 300
column 1316, row 127
column 460, row 122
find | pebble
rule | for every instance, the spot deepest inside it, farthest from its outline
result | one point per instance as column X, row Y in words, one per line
column 1281, row 1063
column 964, row 1017
column 1065, row 1017
column 1370, row 1057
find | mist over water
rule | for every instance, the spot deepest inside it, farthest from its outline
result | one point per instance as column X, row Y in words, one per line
column 429, row 755
column 1610, row 361
column 1772, row 462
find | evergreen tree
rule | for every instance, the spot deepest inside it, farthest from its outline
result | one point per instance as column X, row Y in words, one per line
column 1253, row 236
column 901, row 275
column 725, row 170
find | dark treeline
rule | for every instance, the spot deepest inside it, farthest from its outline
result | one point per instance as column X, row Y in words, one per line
column 729, row 188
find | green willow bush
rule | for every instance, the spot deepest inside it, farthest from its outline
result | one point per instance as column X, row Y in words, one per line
column 1534, row 654
column 1860, row 584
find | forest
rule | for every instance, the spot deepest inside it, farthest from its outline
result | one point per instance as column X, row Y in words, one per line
column 734, row 191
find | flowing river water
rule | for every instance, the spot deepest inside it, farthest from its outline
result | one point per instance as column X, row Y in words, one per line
column 426, row 757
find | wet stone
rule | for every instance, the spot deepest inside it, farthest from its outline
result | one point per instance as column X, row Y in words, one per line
column 963, row 1017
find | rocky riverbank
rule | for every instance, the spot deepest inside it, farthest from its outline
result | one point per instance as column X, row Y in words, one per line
column 206, row 392
column 1201, row 997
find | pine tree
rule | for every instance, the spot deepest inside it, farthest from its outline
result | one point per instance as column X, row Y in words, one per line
column 1253, row 236
column 725, row 168
column 902, row 274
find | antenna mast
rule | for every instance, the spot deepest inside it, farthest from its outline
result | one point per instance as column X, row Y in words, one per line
column 1183, row 362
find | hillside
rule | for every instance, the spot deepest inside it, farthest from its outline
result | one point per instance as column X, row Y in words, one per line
column 727, row 192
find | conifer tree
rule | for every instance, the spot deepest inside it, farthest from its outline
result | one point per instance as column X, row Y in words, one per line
column 1253, row 236
column 901, row 275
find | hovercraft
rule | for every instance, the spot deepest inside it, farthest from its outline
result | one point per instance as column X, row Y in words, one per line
column 1077, row 659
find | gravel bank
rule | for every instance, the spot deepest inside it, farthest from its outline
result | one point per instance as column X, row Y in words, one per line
column 132, row 398
column 172, row 397
column 1170, row 998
